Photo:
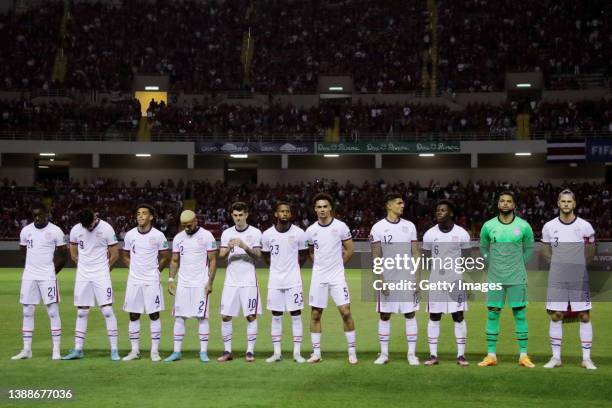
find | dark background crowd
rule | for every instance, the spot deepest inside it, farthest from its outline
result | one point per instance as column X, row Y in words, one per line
column 360, row 206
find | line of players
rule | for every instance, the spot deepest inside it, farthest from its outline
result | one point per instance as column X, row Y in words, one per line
column 285, row 247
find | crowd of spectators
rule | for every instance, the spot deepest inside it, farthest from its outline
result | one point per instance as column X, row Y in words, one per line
column 201, row 45
column 357, row 122
column 360, row 206
column 480, row 40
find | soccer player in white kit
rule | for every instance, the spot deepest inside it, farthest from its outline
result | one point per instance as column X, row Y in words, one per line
column 146, row 253
column 444, row 243
column 93, row 247
column 241, row 244
column 330, row 246
column 285, row 249
column 43, row 247
column 194, row 258
column 390, row 237
column 570, row 245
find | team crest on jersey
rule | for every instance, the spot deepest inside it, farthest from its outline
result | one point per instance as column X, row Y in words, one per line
column 334, row 231
column 291, row 239
column 48, row 235
column 578, row 231
column 455, row 238
column 98, row 234
column 517, row 231
column 200, row 241
column 405, row 229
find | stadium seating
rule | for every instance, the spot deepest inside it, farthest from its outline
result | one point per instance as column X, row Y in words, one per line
column 358, row 205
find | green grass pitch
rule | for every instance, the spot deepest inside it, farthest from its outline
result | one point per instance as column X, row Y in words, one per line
column 97, row 381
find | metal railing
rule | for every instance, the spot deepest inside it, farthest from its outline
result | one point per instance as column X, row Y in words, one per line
column 130, row 136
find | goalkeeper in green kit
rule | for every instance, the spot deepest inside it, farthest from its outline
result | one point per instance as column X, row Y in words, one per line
column 506, row 242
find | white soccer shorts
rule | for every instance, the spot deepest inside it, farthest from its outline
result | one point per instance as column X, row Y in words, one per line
column 32, row 291
column 575, row 295
column 90, row 293
column 442, row 301
column 144, row 298
column 191, row 302
column 235, row 297
column 319, row 292
column 385, row 304
column 286, row 300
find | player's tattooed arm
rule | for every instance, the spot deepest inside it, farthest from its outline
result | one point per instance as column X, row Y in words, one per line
column 223, row 252
column 302, row 256
column 125, row 257
column 212, row 270
column 266, row 257
column 164, row 259
column 174, row 265
column 347, row 253
column 60, row 258
column 74, row 252
column 113, row 255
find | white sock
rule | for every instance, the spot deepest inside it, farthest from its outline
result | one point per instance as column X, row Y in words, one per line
column 384, row 331
column 56, row 325
column 27, row 329
column 276, row 332
column 297, row 334
column 460, row 337
column 315, row 339
column 350, row 341
column 111, row 325
column 433, row 333
column 155, row 335
column 203, row 330
column 134, row 332
column 226, row 333
column 411, row 335
column 81, row 328
column 556, row 335
column 179, row 333
column 586, row 339
column 251, row 336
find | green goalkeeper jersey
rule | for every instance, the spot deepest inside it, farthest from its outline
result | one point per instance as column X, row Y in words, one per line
column 506, row 248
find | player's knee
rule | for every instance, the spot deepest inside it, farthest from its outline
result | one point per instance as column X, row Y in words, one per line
column 385, row 317
column 457, row 317
column 274, row 313
column 107, row 311
column 555, row 316
column 251, row 318
column 315, row 314
column 154, row 316
column 584, row 317
column 518, row 310
column 494, row 309
column 346, row 314
column 134, row 317
column 226, row 318
column 82, row 313
column 28, row 311
column 296, row 313
column 409, row 315
column 52, row 311
column 435, row 317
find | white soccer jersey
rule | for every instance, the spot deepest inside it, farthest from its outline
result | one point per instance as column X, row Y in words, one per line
column 445, row 250
column 193, row 250
column 395, row 238
column 567, row 243
column 40, row 246
column 284, row 248
column 144, row 250
column 240, row 265
column 328, row 266
column 93, row 250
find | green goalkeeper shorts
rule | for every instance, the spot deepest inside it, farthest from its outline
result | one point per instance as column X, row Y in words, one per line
column 516, row 294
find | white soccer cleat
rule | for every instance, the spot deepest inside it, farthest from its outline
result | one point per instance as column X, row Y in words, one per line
column 155, row 356
column 314, row 358
column 413, row 360
column 274, row 358
column 23, row 355
column 352, row 358
column 553, row 363
column 382, row 359
column 298, row 358
column 588, row 364
column 133, row 355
